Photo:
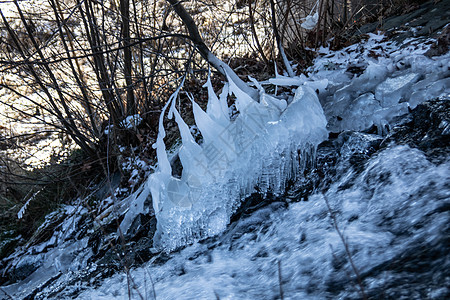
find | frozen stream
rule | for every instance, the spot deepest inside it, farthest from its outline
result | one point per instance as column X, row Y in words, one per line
column 397, row 208
column 389, row 200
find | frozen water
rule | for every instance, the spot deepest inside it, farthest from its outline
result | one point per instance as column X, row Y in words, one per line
column 393, row 89
column 284, row 80
column 389, row 191
column 396, row 203
column 360, row 112
column 217, row 108
column 398, row 77
column 310, row 21
column 63, row 253
column 260, row 147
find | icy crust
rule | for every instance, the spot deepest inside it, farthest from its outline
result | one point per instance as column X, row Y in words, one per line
column 372, row 82
column 395, row 207
column 261, row 147
column 63, row 255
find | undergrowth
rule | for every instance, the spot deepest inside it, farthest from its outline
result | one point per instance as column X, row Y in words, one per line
column 27, row 196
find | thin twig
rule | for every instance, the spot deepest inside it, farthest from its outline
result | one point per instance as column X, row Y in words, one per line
column 287, row 64
column 347, row 250
column 280, row 284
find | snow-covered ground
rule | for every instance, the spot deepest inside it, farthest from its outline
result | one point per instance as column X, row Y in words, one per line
column 392, row 207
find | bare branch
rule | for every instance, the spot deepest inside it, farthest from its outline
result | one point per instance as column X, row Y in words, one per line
column 218, row 64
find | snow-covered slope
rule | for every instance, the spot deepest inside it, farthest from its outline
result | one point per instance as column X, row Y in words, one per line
column 395, row 203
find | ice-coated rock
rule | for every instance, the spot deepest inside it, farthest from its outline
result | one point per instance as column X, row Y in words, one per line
column 393, row 89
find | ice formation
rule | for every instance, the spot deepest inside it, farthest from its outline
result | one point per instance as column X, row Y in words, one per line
column 364, row 85
column 310, row 21
column 66, row 252
column 372, row 82
column 395, row 207
column 260, row 146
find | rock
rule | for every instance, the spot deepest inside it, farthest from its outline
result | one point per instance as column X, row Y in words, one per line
column 8, row 240
column 427, row 128
column 356, row 148
column 24, row 267
column 442, row 44
column 429, row 16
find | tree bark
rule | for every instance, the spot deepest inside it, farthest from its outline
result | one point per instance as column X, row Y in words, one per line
column 125, row 13
column 219, row 65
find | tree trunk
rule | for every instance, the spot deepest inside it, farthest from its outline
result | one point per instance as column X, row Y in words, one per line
column 219, row 65
column 125, row 13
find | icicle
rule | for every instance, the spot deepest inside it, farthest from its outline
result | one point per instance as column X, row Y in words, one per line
column 207, row 126
column 215, row 108
column 161, row 154
column 276, row 76
column 187, row 139
column 24, row 207
column 286, row 81
column 135, row 208
column 214, row 134
column 223, row 102
column 286, row 61
column 257, row 84
column 157, row 181
column 191, row 154
column 270, row 102
column 243, row 100
column 252, row 93
column 260, row 147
